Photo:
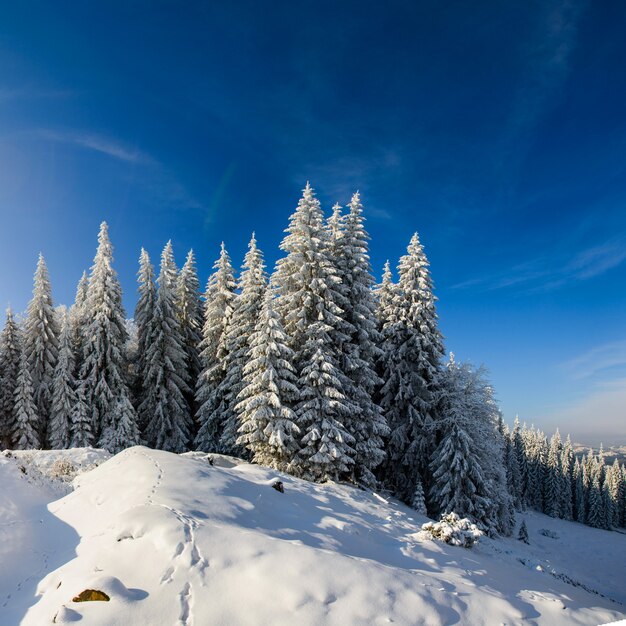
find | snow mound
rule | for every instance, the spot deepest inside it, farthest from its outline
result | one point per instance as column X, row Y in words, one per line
column 175, row 540
column 56, row 469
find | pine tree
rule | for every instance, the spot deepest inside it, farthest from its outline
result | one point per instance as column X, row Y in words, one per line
column 41, row 345
column 512, row 469
column 418, row 502
column 122, row 431
column 616, row 491
column 582, row 494
column 63, row 391
column 25, row 433
column 144, row 314
column 468, row 474
column 268, row 423
column 322, row 410
column 385, row 293
column 458, row 481
column 517, row 443
column 360, row 352
column 190, row 315
column 566, row 505
column 309, row 303
column 103, row 376
column 10, row 353
column 607, row 503
column 220, row 296
column 623, row 499
column 535, row 447
column 167, row 415
column 579, row 493
column 552, row 478
column 410, row 367
column 523, row 533
column 252, row 286
column 81, row 434
column 595, row 511
column 77, row 315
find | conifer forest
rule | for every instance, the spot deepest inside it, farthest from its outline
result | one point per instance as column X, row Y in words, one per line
column 314, row 369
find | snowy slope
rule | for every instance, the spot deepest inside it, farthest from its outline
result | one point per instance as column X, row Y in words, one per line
column 173, row 540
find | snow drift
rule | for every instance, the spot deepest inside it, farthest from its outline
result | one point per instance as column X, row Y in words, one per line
column 174, row 540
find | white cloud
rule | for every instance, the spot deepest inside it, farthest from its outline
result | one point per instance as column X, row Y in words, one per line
column 545, row 274
column 98, row 143
column 597, row 360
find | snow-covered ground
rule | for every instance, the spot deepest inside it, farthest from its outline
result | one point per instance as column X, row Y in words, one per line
column 174, row 540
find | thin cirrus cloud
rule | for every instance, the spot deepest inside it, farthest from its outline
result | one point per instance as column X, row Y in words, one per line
column 609, row 357
column 545, row 274
column 160, row 185
column 98, row 143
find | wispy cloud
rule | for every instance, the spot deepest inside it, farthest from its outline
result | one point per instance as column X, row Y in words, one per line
column 602, row 359
column 545, row 273
column 98, row 143
column 158, row 182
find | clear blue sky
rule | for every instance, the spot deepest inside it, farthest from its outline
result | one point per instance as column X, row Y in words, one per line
column 495, row 129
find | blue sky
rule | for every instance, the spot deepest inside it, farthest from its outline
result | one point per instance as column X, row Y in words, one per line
column 496, row 130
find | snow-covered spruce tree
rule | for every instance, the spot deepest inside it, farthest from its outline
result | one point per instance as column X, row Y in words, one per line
column 219, row 302
column 512, row 469
column 25, row 434
column 81, row 433
column 268, row 423
column 360, row 352
column 623, row 499
column 327, row 447
column 607, row 502
column 566, row 506
column 77, row 317
column 41, row 345
column 410, row 367
column 252, row 286
column 309, row 304
column 419, row 501
column 468, row 473
column 517, row 444
column 595, row 510
column 579, row 492
column 190, row 315
column 552, row 478
column 523, row 533
column 144, row 313
column 103, row 373
column 63, row 390
column 616, row 491
column 535, row 450
column 10, row 353
column 458, row 484
column 164, row 406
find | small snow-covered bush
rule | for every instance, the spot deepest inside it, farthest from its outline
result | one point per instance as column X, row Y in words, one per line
column 548, row 533
column 62, row 469
column 453, row 530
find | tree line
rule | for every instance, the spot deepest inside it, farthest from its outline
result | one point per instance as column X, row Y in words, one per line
column 314, row 370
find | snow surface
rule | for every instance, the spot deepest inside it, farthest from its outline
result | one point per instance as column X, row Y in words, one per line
column 174, row 540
